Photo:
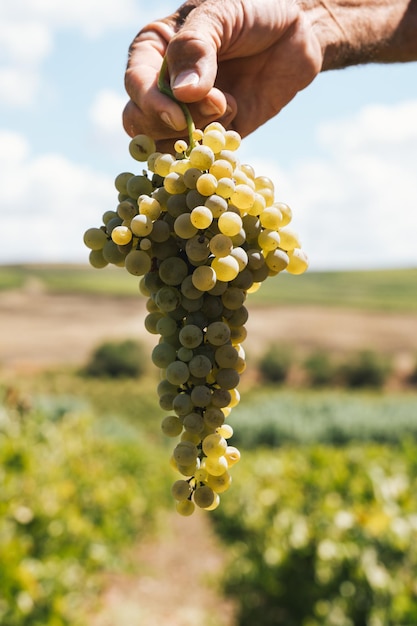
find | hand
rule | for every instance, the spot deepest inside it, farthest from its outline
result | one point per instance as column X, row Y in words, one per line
column 239, row 62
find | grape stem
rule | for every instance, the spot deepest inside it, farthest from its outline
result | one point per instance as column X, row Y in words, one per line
column 165, row 88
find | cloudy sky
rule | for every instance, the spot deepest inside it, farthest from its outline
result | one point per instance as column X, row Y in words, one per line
column 343, row 155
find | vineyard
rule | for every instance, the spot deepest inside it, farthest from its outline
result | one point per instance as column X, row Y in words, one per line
column 318, row 527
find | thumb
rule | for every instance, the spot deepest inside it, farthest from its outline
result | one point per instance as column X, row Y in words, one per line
column 192, row 57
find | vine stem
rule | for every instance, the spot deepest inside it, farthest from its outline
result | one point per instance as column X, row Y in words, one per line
column 165, row 88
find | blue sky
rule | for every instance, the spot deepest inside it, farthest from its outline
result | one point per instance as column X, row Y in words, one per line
column 343, row 154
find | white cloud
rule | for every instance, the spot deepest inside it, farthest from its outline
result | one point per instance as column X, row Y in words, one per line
column 356, row 206
column 46, row 203
column 28, row 29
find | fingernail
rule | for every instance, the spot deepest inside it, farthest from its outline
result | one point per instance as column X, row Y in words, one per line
column 209, row 108
column 166, row 118
column 188, row 78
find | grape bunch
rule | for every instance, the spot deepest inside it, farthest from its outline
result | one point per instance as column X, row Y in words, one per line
column 202, row 231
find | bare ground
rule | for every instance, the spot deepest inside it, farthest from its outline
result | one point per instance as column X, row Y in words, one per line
column 41, row 329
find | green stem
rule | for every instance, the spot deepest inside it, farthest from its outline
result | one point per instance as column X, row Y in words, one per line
column 165, row 88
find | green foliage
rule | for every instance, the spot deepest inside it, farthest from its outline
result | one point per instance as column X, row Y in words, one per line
column 320, row 535
column 365, row 369
column 320, row 369
column 275, row 417
column 274, row 365
column 117, row 359
column 71, row 500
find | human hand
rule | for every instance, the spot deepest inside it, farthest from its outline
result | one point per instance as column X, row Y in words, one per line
column 239, row 62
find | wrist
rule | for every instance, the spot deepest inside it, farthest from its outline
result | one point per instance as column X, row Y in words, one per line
column 370, row 31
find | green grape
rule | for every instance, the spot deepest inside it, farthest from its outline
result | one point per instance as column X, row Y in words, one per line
column 233, row 298
column 227, row 378
column 200, row 366
column 162, row 164
column 201, row 217
column 174, row 183
column 225, row 187
column 204, row 278
column 151, row 321
column 197, row 248
column 206, row 184
column 173, row 270
column 121, row 235
column 216, row 466
column 183, row 226
column 141, row 147
column 185, row 453
column 219, row 484
column 232, row 140
column 171, row 426
column 95, row 238
column 289, row 239
column 203, row 496
column 126, row 209
column 181, row 490
column 213, row 417
column 141, row 225
column 218, row 333
column 138, row 262
column 149, row 206
column 190, row 336
column 168, row 299
column 96, row 259
column 277, row 260
column 177, row 372
column 298, row 261
column 230, row 223
column 182, row 404
column 221, row 398
column 232, row 455
column 201, row 395
column 166, row 326
column 243, row 197
column 185, row 507
column 160, row 232
column 193, row 423
column 201, row 157
column 226, row 356
column 226, row 267
column 112, row 254
column 216, row 204
column 137, row 185
column 120, row 182
column 191, row 176
column 163, row 354
column 221, row 245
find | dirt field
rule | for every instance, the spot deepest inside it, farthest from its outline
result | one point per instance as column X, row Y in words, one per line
column 40, row 329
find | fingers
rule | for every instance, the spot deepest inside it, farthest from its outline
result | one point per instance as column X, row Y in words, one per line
column 192, row 65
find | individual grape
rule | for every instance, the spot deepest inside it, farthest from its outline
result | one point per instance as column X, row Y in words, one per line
column 233, row 298
column 289, row 239
column 201, row 157
column 137, row 185
column 221, row 398
column 183, row 226
column 95, row 238
column 232, row 455
column 127, row 209
column 277, row 260
column 181, row 490
column 221, row 245
column 298, row 261
column 233, row 140
column 185, row 507
column 206, row 184
column 218, row 333
column 96, row 259
column 216, row 466
column 174, row 183
column 227, row 378
column 112, row 254
column 182, row 404
column 226, row 356
column 204, row 278
column 214, row 138
column 185, row 453
column 149, row 206
column 225, row 187
column 285, row 212
column 151, row 321
column 230, row 223
column 121, row 235
column 180, row 146
column 226, row 431
column 141, row 225
column 141, row 147
column 160, row 231
column 214, row 445
column 226, row 267
column 269, row 239
column 138, row 262
column 163, row 354
column 219, row 484
column 173, row 270
column 200, row 366
column 190, row 336
column 193, row 423
column 201, row 395
column 243, row 197
column 185, row 354
column 163, row 163
column 203, row 496
column 197, row 248
column 201, row 217
column 167, row 299
column 191, row 176
column 171, row 426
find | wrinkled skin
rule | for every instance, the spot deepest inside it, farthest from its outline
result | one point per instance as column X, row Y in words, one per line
column 240, row 62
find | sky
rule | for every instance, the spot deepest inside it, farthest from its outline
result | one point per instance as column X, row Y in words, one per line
column 343, row 154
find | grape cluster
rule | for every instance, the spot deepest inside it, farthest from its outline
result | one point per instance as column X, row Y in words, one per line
column 202, row 231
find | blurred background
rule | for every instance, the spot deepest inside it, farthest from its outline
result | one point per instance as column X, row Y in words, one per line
column 320, row 523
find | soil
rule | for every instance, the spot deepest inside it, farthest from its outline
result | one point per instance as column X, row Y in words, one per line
column 41, row 329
